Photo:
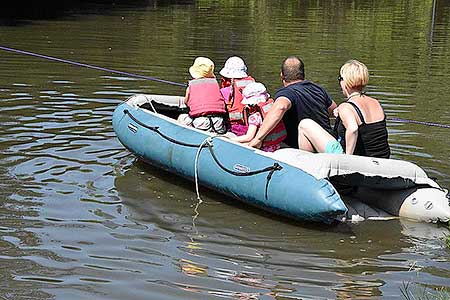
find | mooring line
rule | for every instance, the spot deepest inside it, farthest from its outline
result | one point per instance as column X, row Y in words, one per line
column 75, row 63
column 419, row 122
column 79, row 64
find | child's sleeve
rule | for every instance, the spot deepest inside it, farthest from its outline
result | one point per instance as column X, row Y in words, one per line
column 255, row 119
column 226, row 91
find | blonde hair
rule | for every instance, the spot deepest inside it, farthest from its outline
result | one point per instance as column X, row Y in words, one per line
column 355, row 75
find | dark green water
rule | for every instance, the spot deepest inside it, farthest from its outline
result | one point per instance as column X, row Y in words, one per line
column 80, row 218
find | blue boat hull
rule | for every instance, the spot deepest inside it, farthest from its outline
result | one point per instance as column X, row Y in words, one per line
column 227, row 167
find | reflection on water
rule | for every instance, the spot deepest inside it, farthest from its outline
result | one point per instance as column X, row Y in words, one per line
column 266, row 258
column 81, row 218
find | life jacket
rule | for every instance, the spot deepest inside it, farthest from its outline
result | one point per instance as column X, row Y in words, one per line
column 278, row 134
column 225, row 82
column 205, row 98
column 234, row 104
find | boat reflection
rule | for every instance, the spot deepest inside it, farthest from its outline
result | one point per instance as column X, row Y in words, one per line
column 267, row 255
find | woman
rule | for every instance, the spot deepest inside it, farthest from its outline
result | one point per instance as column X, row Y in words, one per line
column 360, row 124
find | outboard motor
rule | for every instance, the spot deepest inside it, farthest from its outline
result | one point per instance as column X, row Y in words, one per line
column 427, row 204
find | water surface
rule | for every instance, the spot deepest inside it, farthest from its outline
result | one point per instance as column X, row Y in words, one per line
column 82, row 218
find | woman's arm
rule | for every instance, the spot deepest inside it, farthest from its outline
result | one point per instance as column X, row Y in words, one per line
column 351, row 127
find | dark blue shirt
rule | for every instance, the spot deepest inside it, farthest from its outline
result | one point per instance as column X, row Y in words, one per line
column 308, row 100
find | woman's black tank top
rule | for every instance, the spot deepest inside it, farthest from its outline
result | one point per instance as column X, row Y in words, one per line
column 372, row 138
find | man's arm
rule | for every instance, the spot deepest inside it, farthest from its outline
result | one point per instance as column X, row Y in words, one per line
column 331, row 108
column 273, row 117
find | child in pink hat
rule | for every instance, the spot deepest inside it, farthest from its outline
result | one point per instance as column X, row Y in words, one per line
column 257, row 103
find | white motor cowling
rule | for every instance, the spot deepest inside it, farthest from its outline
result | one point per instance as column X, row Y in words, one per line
column 426, row 204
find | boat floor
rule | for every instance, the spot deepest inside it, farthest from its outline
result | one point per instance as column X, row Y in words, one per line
column 360, row 211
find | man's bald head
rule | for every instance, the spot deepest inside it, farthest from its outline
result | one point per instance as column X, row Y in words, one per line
column 292, row 69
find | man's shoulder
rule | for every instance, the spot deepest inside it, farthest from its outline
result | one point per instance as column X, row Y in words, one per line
column 283, row 92
column 287, row 89
column 281, row 89
column 310, row 85
column 304, row 84
column 291, row 90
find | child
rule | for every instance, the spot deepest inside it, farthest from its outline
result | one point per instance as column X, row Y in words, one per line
column 234, row 80
column 206, row 105
column 258, row 103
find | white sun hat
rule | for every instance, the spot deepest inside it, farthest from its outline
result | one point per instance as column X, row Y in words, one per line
column 254, row 93
column 234, row 68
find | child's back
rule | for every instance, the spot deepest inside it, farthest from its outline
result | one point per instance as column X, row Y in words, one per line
column 235, row 79
column 206, row 105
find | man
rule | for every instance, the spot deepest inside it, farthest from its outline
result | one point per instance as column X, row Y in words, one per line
column 296, row 100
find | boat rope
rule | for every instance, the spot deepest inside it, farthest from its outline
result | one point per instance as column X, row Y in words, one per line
column 269, row 177
column 156, row 129
column 271, row 169
column 152, row 106
column 194, row 218
column 275, row 166
column 207, row 141
column 419, row 122
column 89, row 66
column 79, row 64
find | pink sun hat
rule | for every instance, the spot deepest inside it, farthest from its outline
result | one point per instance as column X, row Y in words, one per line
column 254, row 93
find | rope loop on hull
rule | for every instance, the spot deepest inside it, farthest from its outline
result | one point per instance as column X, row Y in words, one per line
column 207, row 143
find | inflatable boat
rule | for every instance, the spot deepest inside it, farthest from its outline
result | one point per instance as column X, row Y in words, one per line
column 289, row 182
